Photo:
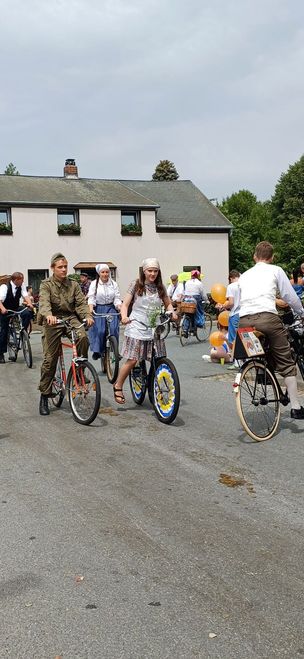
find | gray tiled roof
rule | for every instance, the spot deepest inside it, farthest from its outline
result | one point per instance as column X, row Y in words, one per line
column 45, row 190
column 182, row 204
column 179, row 204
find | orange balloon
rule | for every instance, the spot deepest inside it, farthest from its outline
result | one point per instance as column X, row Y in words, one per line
column 218, row 293
column 216, row 339
column 223, row 318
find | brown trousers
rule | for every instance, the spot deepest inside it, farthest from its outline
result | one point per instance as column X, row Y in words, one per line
column 271, row 325
column 51, row 339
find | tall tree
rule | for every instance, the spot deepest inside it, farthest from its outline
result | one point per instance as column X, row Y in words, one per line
column 11, row 170
column 287, row 205
column 165, row 171
column 252, row 222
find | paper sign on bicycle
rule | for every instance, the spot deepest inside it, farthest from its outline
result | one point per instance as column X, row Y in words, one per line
column 247, row 344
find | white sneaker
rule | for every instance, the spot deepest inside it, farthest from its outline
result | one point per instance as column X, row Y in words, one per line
column 206, row 358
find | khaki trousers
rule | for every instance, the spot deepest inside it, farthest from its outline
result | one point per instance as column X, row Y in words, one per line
column 51, row 339
column 271, row 325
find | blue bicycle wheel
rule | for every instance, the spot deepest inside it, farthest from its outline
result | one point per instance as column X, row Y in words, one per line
column 138, row 382
column 165, row 390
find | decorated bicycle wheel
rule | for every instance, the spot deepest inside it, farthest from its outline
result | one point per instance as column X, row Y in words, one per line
column 165, row 390
column 138, row 382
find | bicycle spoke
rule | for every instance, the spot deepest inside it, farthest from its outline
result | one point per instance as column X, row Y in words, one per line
column 84, row 392
column 258, row 402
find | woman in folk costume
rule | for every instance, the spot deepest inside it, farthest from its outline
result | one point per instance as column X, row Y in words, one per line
column 103, row 298
column 147, row 295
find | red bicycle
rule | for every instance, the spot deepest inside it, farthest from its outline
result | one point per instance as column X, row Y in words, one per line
column 81, row 383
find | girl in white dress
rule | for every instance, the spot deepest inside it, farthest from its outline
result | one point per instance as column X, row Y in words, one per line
column 147, row 295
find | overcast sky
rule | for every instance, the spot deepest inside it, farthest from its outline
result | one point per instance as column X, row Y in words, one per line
column 216, row 86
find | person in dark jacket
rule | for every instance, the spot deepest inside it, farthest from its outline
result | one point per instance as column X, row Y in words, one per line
column 10, row 295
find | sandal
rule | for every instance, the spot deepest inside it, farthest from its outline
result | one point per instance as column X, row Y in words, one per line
column 119, row 397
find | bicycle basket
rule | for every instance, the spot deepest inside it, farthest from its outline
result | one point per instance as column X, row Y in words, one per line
column 188, row 307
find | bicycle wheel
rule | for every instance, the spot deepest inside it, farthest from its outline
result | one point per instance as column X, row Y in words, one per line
column 166, row 390
column 300, row 363
column 257, row 401
column 138, row 382
column 83, row 391
column 112, row 359
column 58, row 389
column 27, row 348
column 203, row 333
column 12, row 343
column 183, row 334
column 164, row 331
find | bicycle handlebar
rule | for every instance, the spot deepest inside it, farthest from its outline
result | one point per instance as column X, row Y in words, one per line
column 168, row 314
column 66, row 323
column 12, row 312
column 106, row 315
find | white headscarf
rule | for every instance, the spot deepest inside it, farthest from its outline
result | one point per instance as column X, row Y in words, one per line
column 101, row 266
column 150, row 263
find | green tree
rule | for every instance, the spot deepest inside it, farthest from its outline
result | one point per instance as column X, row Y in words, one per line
column 165, row 171
column 287, row 205
column 252, row 222
column 11, row 170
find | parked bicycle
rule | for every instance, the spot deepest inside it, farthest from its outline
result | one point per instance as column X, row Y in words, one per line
column 110, row 361
column 258, row 391
column 161, row 381
column 18, row 338
column 81, row 383
column 188, row 327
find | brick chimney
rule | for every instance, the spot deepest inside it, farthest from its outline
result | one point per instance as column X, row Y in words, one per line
column 70, row 169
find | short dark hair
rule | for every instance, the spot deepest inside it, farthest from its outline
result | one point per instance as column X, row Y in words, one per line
column 264, row 250
column 84, row 274
column 234, row 273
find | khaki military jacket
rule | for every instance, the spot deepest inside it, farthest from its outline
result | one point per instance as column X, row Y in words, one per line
column 62, row 299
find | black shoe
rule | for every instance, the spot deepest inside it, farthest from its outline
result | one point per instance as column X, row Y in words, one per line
column 2, row 358
column 44, row 405
column 96, row 355
column 297, row 414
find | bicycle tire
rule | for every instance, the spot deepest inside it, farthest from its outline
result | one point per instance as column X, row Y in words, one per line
column 27, row 348
column 12, row 343
column 257, row 401
column 165, row 330
column 138, row 382
column 84, row 394
column 203, row 333
column 300, row 364
column 165, row 390
column 58, row 388
column 112, row 359
column 184, row 339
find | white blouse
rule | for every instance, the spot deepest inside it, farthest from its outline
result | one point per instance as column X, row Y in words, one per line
column 107, row 293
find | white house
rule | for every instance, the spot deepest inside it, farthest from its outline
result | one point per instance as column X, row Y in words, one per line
column 119, row 222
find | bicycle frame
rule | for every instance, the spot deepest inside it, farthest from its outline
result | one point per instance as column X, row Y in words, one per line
column 75, row 358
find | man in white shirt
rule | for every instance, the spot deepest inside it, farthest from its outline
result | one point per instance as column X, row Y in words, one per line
column 10, row 296
column 175, row 289
column 259, row 287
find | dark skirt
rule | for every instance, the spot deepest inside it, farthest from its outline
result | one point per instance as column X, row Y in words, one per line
column 98, row 332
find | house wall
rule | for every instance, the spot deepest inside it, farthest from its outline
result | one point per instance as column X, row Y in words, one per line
column 35, row 239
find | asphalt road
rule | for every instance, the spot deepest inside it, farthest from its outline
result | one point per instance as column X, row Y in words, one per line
column 119, row 540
